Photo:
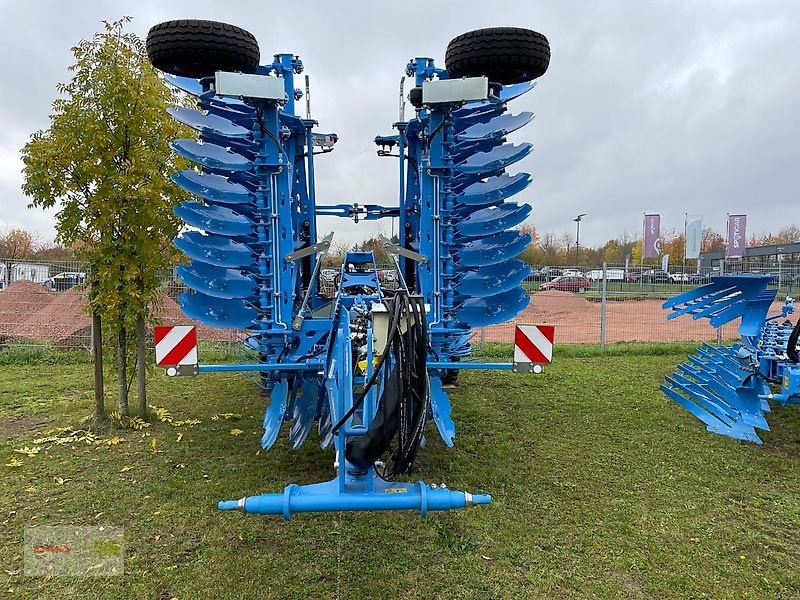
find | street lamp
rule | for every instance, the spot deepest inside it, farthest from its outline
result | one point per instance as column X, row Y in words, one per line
column 578, row 236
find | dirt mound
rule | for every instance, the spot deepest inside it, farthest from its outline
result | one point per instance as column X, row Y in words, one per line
column 59, row 321
column 18, row 302
column 557, row 305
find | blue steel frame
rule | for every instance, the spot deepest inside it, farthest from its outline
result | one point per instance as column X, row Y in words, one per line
column 308, row 370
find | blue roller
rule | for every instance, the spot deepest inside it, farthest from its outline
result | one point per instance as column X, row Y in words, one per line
column 214, row 188
column 493, row 279
column 498, row 127
column 215, row 250
column 217, row 313
column 492, row 249
column 489, row 221
column 214, row 219
column 217, row 281
column 208, row 123
column 494, row 189
column 211, row 156
column 497, row 158
column 482, row 312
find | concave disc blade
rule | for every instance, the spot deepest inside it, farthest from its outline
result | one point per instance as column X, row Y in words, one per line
column 244, row 146
column 244, row 119
column 493, row 279
column 515, row 90
column 215, row 250
column 461, row 212
column 214, row 188
column 480, row 312
column 193, row 87
column 211, row 155
column 494, row 189
column 203, row 123
column 497, row 158
column 496, row 128
column 477, row 112
column 495, row 219
column 214, row 219
column 493, row 249
column 216, row 312
column 463, row 150
column 216, row 281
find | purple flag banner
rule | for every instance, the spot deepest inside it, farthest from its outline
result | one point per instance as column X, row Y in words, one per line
column 652, row 236
column 737, row 240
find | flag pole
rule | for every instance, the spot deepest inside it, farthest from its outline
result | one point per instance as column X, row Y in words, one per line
column 685, row 225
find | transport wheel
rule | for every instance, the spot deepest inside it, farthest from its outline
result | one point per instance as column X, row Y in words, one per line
column 505, row 55
column 197, row 48
column 581, row 290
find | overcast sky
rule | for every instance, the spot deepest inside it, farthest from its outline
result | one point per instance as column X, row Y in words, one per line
column 649, row 106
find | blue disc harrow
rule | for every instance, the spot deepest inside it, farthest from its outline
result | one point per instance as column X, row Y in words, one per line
column 367, row 368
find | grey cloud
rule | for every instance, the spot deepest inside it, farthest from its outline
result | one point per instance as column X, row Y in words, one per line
column 670, row 107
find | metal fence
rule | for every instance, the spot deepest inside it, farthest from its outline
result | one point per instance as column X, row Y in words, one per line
column 588, row 305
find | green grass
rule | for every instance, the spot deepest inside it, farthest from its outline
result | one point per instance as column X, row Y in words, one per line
column 602, row 489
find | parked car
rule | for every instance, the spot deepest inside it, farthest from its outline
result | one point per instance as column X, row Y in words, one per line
column 679, row 277
column 550, row 273
column 64, row 281
column 699, row 278
column 611, row 275
column 573, row 273
column 656, row 276
column 633, row 277
column 387, row 275
column 567, row 283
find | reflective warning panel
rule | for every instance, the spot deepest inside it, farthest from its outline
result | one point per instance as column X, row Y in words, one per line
column 175, row 345
column 533, row 347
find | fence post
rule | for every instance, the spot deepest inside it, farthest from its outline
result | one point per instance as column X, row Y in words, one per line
column 482, row 339
column 719, row 335
column 603, row 308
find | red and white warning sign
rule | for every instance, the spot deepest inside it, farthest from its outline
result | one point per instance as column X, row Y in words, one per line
column 175, row 345
column 533, row 346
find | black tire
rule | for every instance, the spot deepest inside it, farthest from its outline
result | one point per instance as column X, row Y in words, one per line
column 505, row 55
column 415, row 97
column 196, row 48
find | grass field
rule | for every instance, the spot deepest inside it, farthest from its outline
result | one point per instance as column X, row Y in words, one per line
column 602, row 489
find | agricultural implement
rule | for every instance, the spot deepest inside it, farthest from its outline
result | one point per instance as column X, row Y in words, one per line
column 729, row 387
column 369, row 367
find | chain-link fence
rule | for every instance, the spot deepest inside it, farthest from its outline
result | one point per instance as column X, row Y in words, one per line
column 42, row 303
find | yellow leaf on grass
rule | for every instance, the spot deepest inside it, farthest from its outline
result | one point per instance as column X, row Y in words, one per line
column 180, row 437
column 125, row 469
column 236, row 432
column 14, row 462
column 28, row 451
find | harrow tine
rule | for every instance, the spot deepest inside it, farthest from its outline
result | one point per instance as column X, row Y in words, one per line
column 273, row 416
column 440, row 407
column 303, row 411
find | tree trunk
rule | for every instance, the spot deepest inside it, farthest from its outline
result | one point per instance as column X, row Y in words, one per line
column 141, row 370
column 122, row 372
column 97, row 356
